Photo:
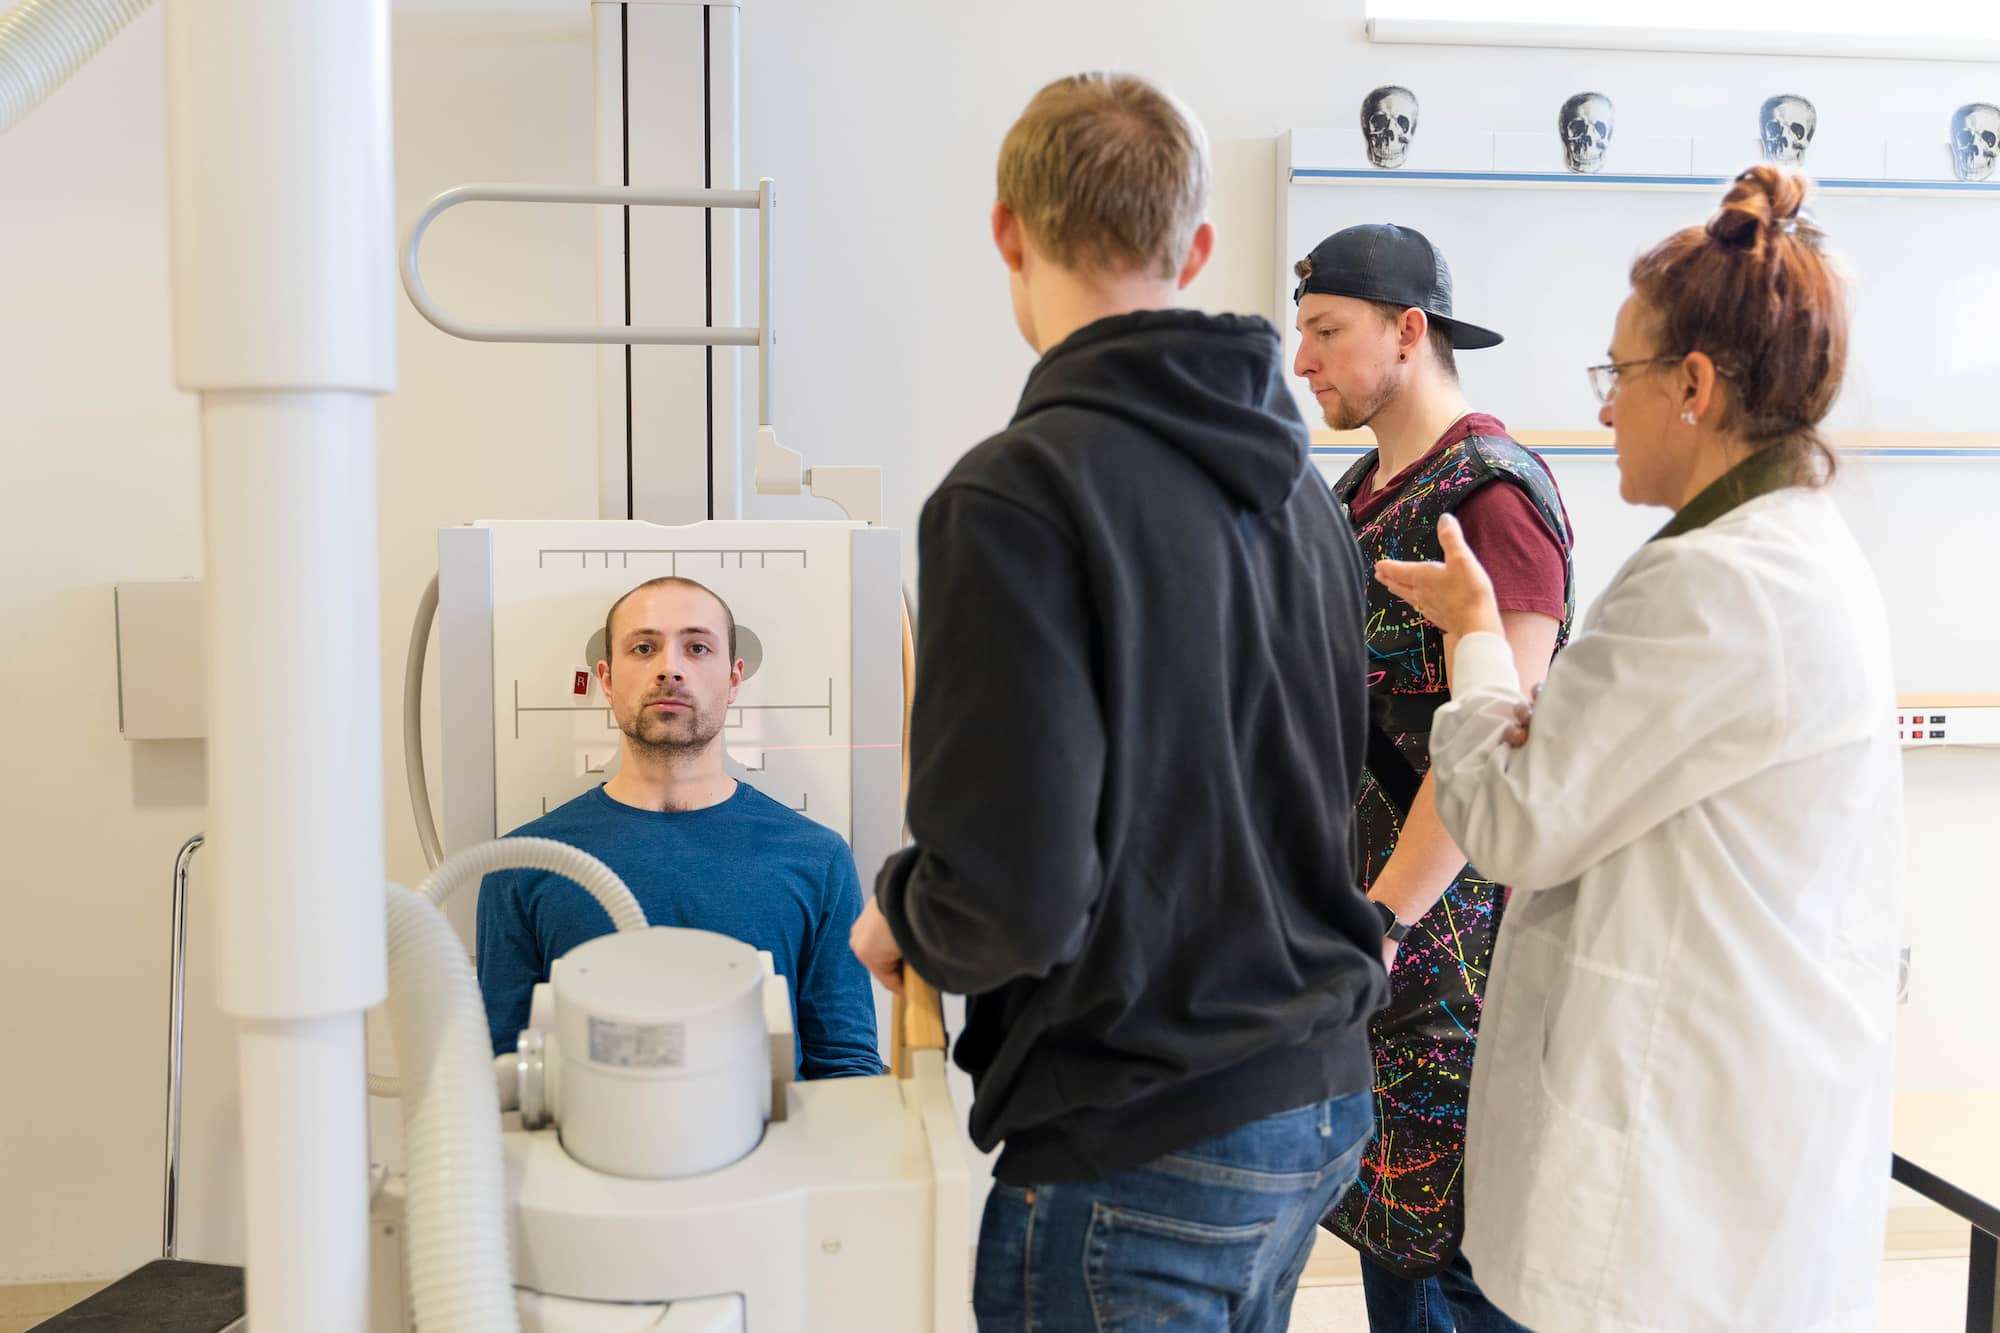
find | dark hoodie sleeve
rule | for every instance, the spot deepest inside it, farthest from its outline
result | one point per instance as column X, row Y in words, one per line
column 1007, row 750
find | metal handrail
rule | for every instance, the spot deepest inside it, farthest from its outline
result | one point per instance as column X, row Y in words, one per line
column 760, row 337
column 170, row 1223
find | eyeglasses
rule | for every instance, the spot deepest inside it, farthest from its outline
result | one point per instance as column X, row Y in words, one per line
column 1604, row 378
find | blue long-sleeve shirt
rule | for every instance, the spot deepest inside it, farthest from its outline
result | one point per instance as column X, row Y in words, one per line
column 748, row 868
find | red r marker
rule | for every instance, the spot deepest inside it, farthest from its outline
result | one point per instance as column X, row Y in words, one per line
column 583, row 682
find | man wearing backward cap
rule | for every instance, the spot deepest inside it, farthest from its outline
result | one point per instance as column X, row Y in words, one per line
column 1377, row 342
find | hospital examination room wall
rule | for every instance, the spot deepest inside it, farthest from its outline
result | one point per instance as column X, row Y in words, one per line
column 880, row 123
column 104, row 486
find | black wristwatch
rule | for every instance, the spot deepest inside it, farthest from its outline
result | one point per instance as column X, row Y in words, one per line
column 1392, row 929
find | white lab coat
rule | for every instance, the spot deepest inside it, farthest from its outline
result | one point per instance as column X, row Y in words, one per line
column 1680, row 1110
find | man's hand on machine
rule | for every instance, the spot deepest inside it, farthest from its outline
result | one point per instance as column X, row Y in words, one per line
column 875, row 946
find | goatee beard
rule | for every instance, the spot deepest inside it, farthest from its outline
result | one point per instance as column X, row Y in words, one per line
column 676, row 739
column 1353, row 416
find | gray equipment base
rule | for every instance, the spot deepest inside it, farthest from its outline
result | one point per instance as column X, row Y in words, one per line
column 166, row 1296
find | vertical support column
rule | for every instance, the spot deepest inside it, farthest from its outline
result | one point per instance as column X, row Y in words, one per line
column 301, row 1273
column 876, row 661
column 875, row 761
column 730, row 368
column 672, row 394
column 608, row 64
column 280, row 188
column 671, row 423
column 767, row 340
column 469, row 721
column 295, row 802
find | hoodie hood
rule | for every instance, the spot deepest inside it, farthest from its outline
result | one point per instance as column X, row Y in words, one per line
column 1211, row 387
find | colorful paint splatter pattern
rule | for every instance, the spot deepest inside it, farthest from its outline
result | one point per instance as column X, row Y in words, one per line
column 1406, row 1210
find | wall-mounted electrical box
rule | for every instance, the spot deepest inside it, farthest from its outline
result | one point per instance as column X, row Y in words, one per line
column 162, row 665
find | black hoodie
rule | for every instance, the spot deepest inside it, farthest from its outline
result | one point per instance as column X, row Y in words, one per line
column 1138, row 729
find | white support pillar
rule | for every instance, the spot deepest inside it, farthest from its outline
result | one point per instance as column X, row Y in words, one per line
column 301, row 1273
column 280, row 182
column 673, row 422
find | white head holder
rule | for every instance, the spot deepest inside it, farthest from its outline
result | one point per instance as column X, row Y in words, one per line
column 1389, row 123
column 1586, row 123
column 1786, row 126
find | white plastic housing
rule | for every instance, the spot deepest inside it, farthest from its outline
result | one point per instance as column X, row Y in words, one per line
column 663, row 1053
column 295, row 761
column 282, row 196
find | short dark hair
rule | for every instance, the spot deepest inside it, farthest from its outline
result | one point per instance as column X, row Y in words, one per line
column 728, row 616
column 1438, row 336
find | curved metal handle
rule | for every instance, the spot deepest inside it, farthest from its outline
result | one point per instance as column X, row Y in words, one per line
column 170, row 1222
column 760, row 199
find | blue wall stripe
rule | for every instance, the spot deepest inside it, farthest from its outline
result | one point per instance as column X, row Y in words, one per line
column 1566, row 178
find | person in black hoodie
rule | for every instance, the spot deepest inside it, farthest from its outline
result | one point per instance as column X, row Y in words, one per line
column 1138, row 729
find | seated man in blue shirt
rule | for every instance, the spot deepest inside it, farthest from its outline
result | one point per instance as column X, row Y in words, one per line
column 697, row 848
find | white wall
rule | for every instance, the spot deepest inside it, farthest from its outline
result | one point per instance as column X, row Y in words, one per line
column 882, row 124
column 102, row 485
column 879, row 121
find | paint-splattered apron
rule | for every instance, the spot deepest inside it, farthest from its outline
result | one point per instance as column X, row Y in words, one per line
column 1406, row 1212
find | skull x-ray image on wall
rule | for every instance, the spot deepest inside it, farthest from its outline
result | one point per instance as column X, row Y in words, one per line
column 1786, row 125
column 1586, row 123
column 1389, row 122
column 1975, row 141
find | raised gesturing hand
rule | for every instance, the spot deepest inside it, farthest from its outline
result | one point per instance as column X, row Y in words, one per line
column 1456, row 595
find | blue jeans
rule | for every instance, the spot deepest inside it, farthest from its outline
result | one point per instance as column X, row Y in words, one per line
column 1448, row 1302
column 1211, row 1239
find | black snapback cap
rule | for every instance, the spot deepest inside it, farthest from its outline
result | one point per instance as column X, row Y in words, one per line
column 1379, row 261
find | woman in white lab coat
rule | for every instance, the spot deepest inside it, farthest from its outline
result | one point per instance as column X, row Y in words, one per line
column 1680, row 1109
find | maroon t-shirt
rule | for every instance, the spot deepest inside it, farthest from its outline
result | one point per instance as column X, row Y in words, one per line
column 1521, row 555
